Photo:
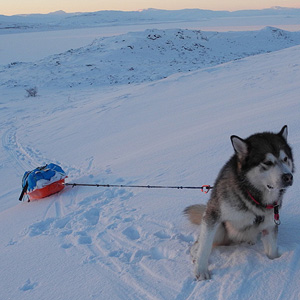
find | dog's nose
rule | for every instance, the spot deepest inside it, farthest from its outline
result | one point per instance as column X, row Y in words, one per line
column 287, row 179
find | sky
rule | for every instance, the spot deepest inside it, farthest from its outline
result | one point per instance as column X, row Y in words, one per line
column 11, row 7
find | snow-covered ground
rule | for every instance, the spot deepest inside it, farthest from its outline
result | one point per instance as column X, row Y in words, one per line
column 100, row 243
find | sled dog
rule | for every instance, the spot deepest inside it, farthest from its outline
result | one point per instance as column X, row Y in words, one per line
column 245, row 198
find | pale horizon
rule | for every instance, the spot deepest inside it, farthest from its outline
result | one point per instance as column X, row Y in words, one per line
column 15, row 7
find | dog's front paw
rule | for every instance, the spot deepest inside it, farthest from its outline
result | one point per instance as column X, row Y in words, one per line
column 202, row 275
column 274, row 255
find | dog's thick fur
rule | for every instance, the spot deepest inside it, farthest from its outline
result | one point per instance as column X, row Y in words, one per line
column 241, row 205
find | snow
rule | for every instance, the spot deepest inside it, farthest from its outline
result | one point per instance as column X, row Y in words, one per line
column 169, row 126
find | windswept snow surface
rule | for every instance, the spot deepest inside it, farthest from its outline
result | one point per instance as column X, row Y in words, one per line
column 109, row 243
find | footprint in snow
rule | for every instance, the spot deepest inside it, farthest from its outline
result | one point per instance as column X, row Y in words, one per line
column 131, row 233
column 92, row 216
column 66, row 245
column 162, row 235
column 28, row 286
column 83, row 238
column 41, row 227
column 123, row 256
column 155, row 253
column 138, row 255
column 11, row 242
column 61, row 223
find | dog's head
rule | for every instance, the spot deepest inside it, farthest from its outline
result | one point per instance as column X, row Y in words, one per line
column 265, row 159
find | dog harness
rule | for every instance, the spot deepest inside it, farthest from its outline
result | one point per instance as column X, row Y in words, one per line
column 275, row 207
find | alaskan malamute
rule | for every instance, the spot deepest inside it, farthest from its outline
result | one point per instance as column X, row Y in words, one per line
column 245, row 198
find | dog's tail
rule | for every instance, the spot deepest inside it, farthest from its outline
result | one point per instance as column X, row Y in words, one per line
column 195, row 213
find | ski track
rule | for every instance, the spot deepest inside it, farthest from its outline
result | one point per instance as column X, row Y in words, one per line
column 22, row 158
column 26, row 158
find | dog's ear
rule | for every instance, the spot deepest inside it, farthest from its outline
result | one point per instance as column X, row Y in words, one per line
column 240, row 147
column 284, row 132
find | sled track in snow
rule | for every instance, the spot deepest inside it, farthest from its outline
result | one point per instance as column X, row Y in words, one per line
column 23, row 158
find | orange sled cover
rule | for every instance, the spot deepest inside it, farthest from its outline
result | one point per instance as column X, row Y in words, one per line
column 47, row 190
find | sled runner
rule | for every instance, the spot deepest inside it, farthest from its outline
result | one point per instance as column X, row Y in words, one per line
column 43, row 182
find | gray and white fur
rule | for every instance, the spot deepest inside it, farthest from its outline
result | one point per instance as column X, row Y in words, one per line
column 255, row 177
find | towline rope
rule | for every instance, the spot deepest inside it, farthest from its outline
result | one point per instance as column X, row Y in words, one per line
column 204, row 188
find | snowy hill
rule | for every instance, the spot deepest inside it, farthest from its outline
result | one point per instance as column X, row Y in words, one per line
column 144, row 56
column 100, row 243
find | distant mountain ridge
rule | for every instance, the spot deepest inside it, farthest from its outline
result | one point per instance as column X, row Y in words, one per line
column 62, row 20
column 272, row 10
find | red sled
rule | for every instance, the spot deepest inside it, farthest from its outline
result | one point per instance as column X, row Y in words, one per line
column 43, row 182
column 47, row 190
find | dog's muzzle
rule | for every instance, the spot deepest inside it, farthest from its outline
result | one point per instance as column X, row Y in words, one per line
column 287, row 179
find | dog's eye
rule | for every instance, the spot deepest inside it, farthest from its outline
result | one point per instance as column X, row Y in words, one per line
column 268, row 163
column 285, row 159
